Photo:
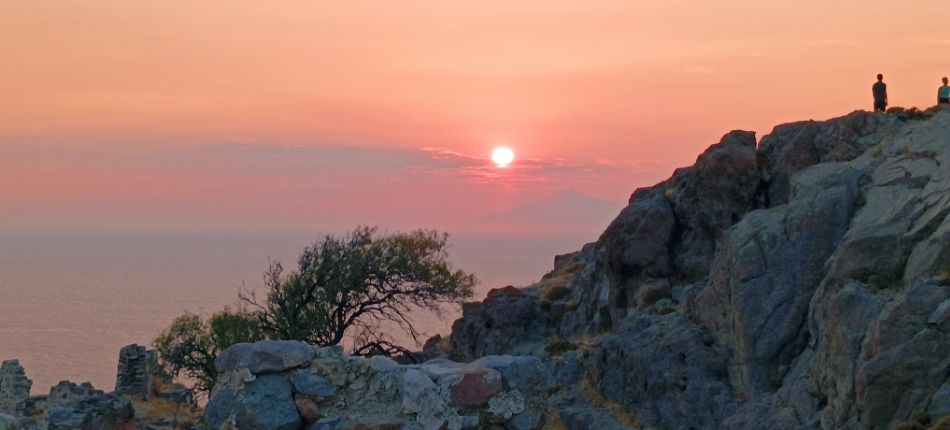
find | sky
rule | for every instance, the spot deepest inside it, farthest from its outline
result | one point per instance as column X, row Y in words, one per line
column 223, row 115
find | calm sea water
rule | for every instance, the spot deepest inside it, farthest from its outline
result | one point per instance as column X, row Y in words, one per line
column 69, row 301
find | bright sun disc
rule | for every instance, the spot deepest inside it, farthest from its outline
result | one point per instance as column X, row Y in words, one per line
column 502, row 156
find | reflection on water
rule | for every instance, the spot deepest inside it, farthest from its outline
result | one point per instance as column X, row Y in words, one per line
column 68, row 302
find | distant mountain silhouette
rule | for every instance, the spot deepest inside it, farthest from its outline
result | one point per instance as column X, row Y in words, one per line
column 568, row 211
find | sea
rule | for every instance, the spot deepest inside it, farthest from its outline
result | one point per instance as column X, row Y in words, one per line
column 70, row 300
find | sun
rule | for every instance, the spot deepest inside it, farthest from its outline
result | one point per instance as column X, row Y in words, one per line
column 502, row 156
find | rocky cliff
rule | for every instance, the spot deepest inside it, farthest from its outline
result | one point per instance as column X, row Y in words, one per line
column 797, row 282
column 801, row 281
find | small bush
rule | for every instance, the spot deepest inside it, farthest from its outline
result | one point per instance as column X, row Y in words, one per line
column 556, row 293
column 557, row 346
column 891, row 278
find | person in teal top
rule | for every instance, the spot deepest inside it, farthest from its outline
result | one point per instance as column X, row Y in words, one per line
column 943, row 94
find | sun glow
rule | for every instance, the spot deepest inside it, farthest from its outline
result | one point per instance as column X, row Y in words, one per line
column 502, row 156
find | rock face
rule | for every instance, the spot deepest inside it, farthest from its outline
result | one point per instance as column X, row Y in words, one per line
column 801, row 283
column 328, row 390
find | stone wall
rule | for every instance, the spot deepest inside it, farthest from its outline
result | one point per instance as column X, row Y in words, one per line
column 130, row 378
column 287, row 385
column 14, row 388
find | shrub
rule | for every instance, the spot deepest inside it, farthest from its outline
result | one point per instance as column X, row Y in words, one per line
column 557, row 346
column 343, row 287
column 891, row 278
column 556, row 293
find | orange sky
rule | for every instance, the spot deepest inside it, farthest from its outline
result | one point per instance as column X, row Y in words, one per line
column 157, row 114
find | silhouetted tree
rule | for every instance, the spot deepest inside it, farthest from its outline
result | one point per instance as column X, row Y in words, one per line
column 190, row 345
column 343, row 286
column 358, row 280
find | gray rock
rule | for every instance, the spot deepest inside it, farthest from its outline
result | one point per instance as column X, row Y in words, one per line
column 267, row 356
column 509, row 320
column 381, row 363
column 637, row 246
column 711, row 196
column 505, row 405
column 311, row 384
column 766, row 270
column 940, row 316
column 790, row 148
column 666, row 371
column 8, row 422
column 940, row 403
column 265, row 403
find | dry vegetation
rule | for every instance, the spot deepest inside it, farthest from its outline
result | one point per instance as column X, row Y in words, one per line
column 613, row 408
column 556, row 285
column 166, row 415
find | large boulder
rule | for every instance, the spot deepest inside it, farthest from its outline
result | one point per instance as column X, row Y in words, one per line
column 266, row 356
column 263, row 403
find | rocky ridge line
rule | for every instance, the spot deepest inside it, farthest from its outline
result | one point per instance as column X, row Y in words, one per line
column 798, row 282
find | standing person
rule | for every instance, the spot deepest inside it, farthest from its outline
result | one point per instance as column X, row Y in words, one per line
column 943, row 93
column 879, row 90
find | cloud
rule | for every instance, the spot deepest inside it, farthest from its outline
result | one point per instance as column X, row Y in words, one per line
column 479, row 170
column 832, row 42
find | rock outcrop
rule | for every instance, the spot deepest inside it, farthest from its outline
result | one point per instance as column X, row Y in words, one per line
column 800, row 283
column 289, row 386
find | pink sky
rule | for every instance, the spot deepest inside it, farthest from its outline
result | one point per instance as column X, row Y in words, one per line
column 304, row 114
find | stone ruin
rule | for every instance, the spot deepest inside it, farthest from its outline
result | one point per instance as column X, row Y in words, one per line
column 81, row 406
column 140, row 376
column 133, row 366
column 14, row 388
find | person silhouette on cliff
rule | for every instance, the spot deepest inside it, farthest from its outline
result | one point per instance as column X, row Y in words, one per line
column 943, row 93
column 879, row 90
